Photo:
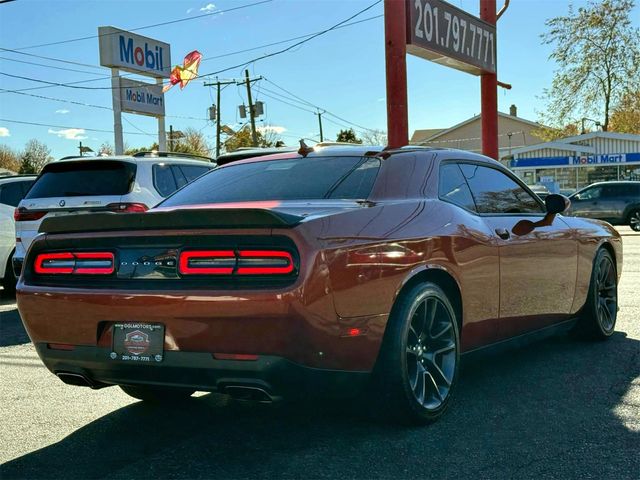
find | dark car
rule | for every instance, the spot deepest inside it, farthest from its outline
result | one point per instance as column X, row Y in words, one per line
column 325, row 271
column 616, row 202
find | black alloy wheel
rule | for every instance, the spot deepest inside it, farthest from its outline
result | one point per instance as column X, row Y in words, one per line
column 417, row 368
column 601, row 309
column 634, row 220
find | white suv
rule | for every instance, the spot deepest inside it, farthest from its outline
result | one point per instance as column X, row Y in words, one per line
column 12, row 190
column 89, row 184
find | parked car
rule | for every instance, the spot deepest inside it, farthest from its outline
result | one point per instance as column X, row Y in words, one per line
column 540, row 190
column 79, row 185
column 326, row 270
column 616, row 202
column 12, row 190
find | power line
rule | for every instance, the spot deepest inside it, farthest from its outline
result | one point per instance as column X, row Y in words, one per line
column 290, row 47
column 52, row 66
column 53, row 59
column 62, row 100
column 170, row 22
column 64, row 127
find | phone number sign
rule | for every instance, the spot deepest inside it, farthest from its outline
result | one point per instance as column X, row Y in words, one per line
column 449, row 36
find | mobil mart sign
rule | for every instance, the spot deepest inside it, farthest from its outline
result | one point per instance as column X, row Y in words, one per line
column 140, row 97
column 134, row 53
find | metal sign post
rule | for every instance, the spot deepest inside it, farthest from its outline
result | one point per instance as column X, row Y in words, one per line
column 444, row 34
column 122, row 50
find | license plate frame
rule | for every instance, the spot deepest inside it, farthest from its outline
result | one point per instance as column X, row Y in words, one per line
column 138, row 342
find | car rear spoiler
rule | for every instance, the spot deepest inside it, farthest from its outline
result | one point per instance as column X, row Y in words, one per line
column 171, row 219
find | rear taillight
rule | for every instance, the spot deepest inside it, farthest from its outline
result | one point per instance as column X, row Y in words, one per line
column 207, row 262
column 21, row 214
column 264, row 262
column 241, row 262
column 77, row 263
column 127, row 207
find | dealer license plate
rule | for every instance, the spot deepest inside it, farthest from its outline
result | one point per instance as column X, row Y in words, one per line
column 138, row 342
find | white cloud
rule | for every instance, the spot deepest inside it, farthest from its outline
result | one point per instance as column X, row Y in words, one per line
column 210, row 7
column 190, row 10
column 381, row 99
column 63, row 111
column 4, row 132
column 70, row 133
column 272, row 128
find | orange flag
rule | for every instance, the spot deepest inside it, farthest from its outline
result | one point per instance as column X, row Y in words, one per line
column 186, row 72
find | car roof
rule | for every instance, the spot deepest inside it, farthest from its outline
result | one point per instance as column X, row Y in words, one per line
column 357, row 150
column 136, row 160
column 613, row 182
column 15, row 178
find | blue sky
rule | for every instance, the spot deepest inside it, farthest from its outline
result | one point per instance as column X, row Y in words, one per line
column 342, row 72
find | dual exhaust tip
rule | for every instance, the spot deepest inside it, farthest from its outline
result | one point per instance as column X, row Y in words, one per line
column 239, row 392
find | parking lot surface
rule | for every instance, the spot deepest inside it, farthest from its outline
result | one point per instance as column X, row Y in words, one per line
column 558, row 408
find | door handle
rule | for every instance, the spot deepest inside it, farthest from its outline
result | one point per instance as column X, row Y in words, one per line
column 503, row 233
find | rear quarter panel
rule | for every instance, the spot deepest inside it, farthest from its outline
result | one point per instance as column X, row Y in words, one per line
column 591, row 235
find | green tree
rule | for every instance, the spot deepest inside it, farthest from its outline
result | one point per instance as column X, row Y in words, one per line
column 9, row 158
column 134, row 150
column 106, row 149
column 625, row 117
column 348, row 136
column 35, row 156
column 597, row 52
column 549, row 134
column 243, row 138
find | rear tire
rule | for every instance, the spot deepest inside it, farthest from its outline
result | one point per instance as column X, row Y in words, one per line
column 634, row 220
column 9, row 280
column 598, row 318
column 157, row 394
column 417, row 369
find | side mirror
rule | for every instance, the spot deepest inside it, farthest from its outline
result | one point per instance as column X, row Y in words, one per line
column 556, row 203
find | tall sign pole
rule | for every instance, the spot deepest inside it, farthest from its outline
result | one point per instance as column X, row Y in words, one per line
column 395, row 38
column 117, row 112
column 489, row 93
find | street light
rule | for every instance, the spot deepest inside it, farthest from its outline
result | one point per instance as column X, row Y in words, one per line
column 583, row 131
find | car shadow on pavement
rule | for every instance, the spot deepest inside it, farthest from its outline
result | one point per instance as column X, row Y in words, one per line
column 561, row 407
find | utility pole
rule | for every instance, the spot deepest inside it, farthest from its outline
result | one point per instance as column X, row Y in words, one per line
column 80, row 148
column 254, row 135
column 171, row 138
column 218, row 84
column 319, row 114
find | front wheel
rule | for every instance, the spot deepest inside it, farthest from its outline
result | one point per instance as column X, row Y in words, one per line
column 418, row 365
column 598, row 319
column 634, row 220
column 157, row 394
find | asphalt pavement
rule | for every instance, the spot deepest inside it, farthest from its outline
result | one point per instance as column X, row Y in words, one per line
column 557, row 408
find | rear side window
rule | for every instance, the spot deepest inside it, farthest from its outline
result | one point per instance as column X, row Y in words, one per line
column 84, row 178
column 286, row 179
column 620, row 190
column 191, row 172
column 453, row 187
column 495, row 192
column 12, row 193
column 164, row 180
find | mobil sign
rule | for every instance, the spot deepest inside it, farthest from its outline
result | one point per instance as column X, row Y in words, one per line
column 134, row 53
column 139, row 97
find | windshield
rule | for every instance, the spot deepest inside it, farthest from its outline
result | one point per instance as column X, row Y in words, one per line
column 84, row 178
column 289, row 179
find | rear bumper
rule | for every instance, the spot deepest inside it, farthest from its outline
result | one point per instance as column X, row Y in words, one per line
column 201, row 371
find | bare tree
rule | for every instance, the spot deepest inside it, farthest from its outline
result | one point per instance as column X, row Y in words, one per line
column 374, row 137
column 35, row 156
column 106, row 149
column 193, row 142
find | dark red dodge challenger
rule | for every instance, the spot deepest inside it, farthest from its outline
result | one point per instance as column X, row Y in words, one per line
column 339, row 269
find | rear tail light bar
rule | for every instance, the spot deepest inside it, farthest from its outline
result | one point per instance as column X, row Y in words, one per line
column 23, row 215
column 240, row 262
column 127, row 207
column 77, row 263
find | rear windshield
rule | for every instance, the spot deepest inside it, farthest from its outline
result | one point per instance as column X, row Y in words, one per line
column 294, row 179
column 90, row 178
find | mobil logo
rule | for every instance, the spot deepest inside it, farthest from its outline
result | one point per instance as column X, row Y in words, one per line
column 140, row 53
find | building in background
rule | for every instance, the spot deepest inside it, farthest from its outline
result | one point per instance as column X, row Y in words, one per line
column 574, row 162
column 513, row 132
